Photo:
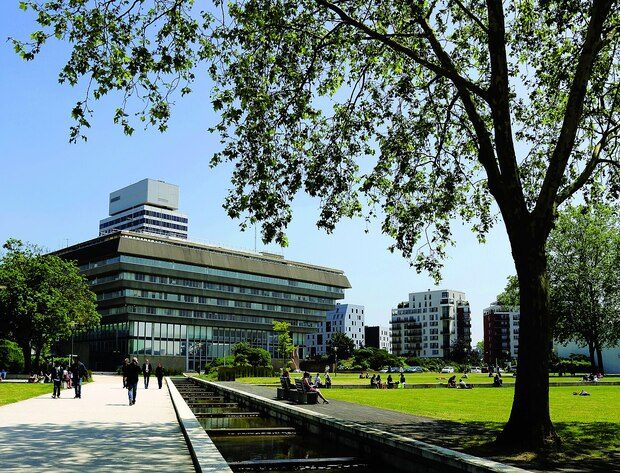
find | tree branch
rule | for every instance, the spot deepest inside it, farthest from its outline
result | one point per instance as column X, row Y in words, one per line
column 473, row 17
column 451, row 74
column 544, row 208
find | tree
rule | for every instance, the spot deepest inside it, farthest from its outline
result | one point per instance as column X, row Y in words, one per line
column 344, row 345
column 584, row 257
column 454, row 104
column 460, row 351
column 11, row 357
column 510, row 295
column 44, row 299
column 285, row 342
column 247, row 355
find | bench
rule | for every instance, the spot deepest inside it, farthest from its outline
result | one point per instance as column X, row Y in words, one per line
column 301, row 396
column 284, row 393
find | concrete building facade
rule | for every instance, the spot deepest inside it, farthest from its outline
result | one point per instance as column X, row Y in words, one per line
column 430, row 322
column 378, row 337
column 148, row 206
column 185, row 303
column 501, row 333
column 345, row 318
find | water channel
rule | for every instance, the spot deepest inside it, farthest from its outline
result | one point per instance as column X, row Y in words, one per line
column 249, row 441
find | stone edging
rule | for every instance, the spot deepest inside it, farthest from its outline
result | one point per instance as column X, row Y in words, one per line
column 205, row 455
column 438, row 458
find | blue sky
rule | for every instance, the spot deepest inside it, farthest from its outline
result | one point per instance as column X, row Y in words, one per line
column 53, row 192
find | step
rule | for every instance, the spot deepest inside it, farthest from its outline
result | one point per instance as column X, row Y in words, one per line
column 253, row 431
column 294, row 463
column 226, row 414
column 212, row 404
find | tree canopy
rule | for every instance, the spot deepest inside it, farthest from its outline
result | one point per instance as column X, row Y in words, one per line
column 44, row 298
column 285, row 341
column 510, row 295
column 584, row 262
column 419, row 112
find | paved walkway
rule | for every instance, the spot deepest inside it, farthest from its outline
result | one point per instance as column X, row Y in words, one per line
column 98, row 433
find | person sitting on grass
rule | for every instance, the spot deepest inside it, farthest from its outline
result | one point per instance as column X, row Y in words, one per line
column 582, row 393
column 378, row 381
column 33, row 378
column 309, row 388
column 463, row 385
column 390, row 382
column 452, row 381
column 498, row 381
column 317, row 381
column 373, row 381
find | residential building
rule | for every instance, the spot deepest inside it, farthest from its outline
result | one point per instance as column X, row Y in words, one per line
column 185, row 303
column 378, row 337
column 148, row 206
column 345, row 318
column 429, row 323
column 501, row 333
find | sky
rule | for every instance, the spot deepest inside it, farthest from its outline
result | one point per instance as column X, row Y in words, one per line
column 53, row 193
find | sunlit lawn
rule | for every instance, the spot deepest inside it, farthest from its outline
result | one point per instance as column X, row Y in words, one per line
column 13, row 392
column 415, row 378
column 588, row 425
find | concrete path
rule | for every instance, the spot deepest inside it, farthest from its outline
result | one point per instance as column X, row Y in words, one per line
column 98, row 433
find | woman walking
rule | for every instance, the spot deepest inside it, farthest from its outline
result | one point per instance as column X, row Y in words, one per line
column 159, row 374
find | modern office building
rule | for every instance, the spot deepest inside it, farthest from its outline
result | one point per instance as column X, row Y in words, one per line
column 501, row 333
column 430, row 322
column 345, row 318
column 378, row 337
column 148, row 206
column 184, row 303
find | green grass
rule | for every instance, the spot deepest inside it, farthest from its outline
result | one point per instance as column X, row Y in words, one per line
column 415, row 378
column 14, row 392
column 487, row 404
column 588, row 425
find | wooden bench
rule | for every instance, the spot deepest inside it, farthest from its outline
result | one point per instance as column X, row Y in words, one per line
column 301, row 396
column 284, row 392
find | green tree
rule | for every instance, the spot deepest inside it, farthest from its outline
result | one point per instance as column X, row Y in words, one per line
column 44, row 298
column 344, row 344
column 510, row 295
column 11, row 357
column 584, row 251
column 426, row 111
column 285, row 341
column 247, row 355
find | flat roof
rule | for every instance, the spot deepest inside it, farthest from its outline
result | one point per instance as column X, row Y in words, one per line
column 186, row 251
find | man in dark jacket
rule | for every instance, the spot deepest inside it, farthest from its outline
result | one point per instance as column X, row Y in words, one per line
column 133, row 374
column 57, row 379
column 124, row 371
column 147, row 369
column 79, row 372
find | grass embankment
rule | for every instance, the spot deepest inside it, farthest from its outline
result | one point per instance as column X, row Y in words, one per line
column 14, row 392
column 588, row 425
column 417, row 378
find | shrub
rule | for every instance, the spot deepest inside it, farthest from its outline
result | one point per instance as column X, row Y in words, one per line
column 11, row 357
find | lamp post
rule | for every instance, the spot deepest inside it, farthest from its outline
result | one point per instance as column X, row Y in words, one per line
column 336, row 360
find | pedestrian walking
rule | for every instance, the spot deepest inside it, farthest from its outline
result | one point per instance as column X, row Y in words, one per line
column 133, row 375
column 57, row 371
column 147, row 369
column 78, row 370
column 159, row 373
column 124, row 371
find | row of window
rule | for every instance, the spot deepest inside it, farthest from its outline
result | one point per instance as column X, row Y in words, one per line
column 199, row 314
column 192, row 283
column 212, row 272
column 189, row 299
column 142, row 213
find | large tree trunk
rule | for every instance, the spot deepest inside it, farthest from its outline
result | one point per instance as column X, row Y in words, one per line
column 27, row 357
column 529, row 426
column 591, row 353
column 599, row 359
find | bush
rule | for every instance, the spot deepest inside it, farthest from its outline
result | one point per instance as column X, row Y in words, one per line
column 11, row 357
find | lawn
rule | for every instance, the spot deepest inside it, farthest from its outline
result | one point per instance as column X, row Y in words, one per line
column 588, row 425
column 415, row 378
column 14, row 392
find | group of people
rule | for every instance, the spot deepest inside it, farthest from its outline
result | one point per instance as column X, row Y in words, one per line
column 71, row 375
column 376, row 382
column 131, row 376
column 306, row 381
column 592, row 377
column 319, row 384
column 461, row 384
